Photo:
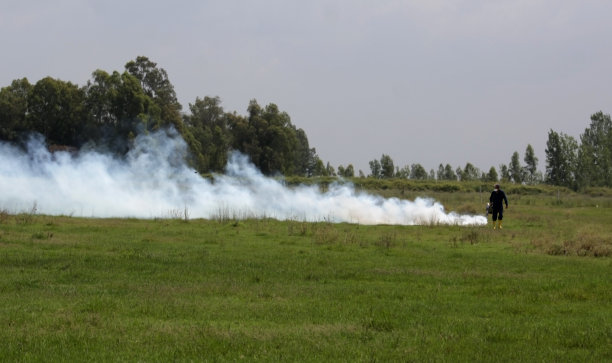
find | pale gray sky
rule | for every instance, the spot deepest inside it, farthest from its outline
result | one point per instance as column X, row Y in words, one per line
column 428, row 81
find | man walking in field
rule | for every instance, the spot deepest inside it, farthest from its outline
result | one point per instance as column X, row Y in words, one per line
column 496, row 199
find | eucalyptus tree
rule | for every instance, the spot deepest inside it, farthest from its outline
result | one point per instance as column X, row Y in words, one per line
column 56, row 110
column 208, row 125
column 155, row 83
column 561, row 156
column 418, row 172
column 531, row 166
column 492, row 176
column 504, row 172
column 13, row 109
column 517, row 174
column 449, row 173
column 387, row 170
column 375, row 169
column 470, row 172
column 595, row 153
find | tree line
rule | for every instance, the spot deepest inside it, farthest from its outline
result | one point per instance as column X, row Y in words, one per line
column 112, row 108
column 575, row 164
column 582, row 163
column 513, row 172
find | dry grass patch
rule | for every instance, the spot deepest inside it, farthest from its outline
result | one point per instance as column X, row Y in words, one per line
column 583, row 244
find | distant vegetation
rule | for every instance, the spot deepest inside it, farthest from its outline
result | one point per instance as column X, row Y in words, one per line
column 569, row 163
column 112, row 108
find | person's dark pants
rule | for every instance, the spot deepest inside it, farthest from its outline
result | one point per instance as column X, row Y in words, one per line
column 498, row 214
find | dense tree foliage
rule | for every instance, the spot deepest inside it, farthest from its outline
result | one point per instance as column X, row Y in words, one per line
column 13, row 109
column 387, row 169
column 446, row 172
column 155, row 84
column 118, row 109
column 515, row 169
column 348, row 172
column 561, row 151
column 56, row 110
column 418, row 172
column 491, row 176
column 402, row 173
column 272, row 142
column 594, row 167
column 530, row 173
column 505, row 173
column 112, row 108
column 585, row 164
column 208, row 125
column 469, row 172
column 375, row 169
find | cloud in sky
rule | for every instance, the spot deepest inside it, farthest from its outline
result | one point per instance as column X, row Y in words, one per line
column 423, row 81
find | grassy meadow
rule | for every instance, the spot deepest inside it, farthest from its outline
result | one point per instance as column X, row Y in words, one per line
column 81, row 289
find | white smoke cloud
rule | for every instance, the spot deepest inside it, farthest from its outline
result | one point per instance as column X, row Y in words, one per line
column 153, row 181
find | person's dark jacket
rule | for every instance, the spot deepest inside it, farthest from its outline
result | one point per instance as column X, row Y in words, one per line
column 497, row 198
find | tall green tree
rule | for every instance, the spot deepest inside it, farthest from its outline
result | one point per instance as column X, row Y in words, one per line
column 211, row 138
column 470, row 172
column 349, row 172
column 244, row 133
column 305, row 156
column 118, row 109
column 492, row 176
column 504, row 172
column 418, row 172
column 56, row 110
column 403, row 173
column 271, row 141
column 329, row 170
column 387, row 169
column 319, row 168
column 375, row 169
column 515, row 169
column 595, row 153
column 561, row 156
column 531, row 166
column 279, row 142
column 440, row 173
column 449, row 173
column 459, row 173
column 155, row 84
column 13, row 109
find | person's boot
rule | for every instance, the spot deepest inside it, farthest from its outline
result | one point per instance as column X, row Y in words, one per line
column 500, row 224
column 494, row 225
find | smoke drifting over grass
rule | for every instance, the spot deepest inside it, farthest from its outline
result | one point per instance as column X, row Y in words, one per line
column 153, row 180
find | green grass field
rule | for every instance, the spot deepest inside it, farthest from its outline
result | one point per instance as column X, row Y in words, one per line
column 76, row 289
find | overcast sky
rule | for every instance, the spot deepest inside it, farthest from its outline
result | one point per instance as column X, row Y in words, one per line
column 430, row 81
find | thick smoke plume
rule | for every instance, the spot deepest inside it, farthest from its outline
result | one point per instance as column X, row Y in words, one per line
column 154, row 181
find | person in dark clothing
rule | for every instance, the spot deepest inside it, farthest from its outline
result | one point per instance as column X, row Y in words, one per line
column 497, row 198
